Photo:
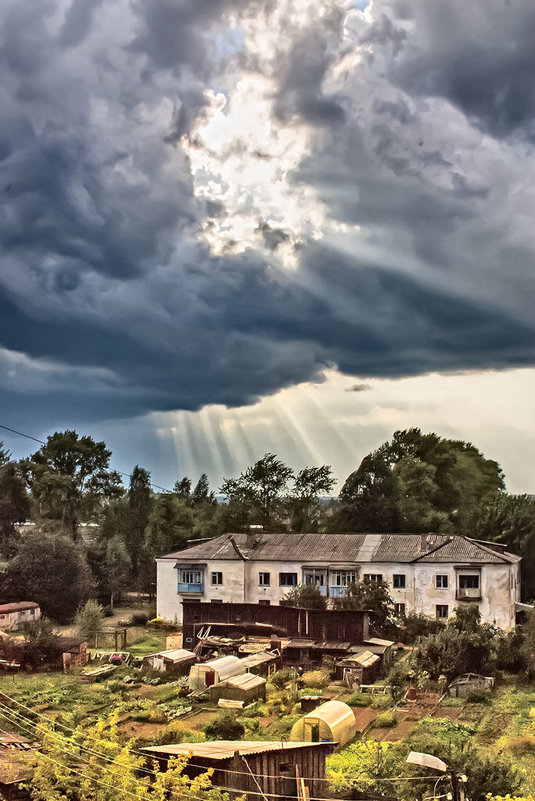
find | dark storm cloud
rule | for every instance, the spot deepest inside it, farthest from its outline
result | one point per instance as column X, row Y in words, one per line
column 480, row 56
column 120, row 310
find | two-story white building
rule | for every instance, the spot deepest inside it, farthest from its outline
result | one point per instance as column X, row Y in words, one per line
column 427, row 573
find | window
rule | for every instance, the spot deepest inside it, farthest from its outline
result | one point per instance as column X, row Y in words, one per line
column 399, row 609
column 264, row 579
column 217, row 578
column 216, row 600
column 190, row 577
column 398, row 581
column 32, row 612
column 263, row 602
column 343, row 578
column 469, row 582
column 441, row 582
column 373, row 577
column 442, row 611
column 287, row 579
column 316, row 578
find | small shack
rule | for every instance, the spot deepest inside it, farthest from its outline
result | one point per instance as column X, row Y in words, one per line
column 332, row 722
column 246, row 688
column 467, row 683
column 215, row 671
column 17, row 762
column 384, row 649
column 176, row 662
column 304, row 651
column 362, row 667
column 252, row 766
column 73, row 651
column 262, row 664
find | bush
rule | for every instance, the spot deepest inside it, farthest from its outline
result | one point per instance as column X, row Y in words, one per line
column 281, row 678
column 225, row 727
column 89, row 619
column 478, row 697
column 380, row 702
column 317, row 679
column 359, row 699
column 138, row 619
column 387, row 720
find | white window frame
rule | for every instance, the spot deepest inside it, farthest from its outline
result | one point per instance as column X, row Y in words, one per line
column 216, row 578
column 439, row 581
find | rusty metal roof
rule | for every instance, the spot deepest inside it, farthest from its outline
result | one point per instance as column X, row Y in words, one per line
column 18, row 606
column 225, row 749
column 341, row 549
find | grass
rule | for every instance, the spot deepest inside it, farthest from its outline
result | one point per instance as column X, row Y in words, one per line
column 149, row 644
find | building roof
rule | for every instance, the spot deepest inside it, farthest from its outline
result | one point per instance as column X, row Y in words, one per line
column 258, row 659
column 247, row 681
column 365, row 659
column 378, row 641
column 174, row 654
column 342, row 550
column 18, row 606
column 225, row 749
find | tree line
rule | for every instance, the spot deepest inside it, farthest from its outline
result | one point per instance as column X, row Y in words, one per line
column 414, row 483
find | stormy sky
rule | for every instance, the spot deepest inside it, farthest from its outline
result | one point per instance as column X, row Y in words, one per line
column 233, row 226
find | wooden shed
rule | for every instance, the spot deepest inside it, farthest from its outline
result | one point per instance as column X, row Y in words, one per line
column 242, row 766
column 384, row 649
column 246, row 688
column 206, row 674
column 362, row 667
column 176, row 661
column 17, row 762
column 332, row 722
column 262, row 664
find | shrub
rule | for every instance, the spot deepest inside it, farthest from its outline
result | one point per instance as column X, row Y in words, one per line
column 316, row 679
column 387, row 720
column 359, row 699
column 281, row 678
column 478, row 697
column 138, row 619
column 380, row 702
column 89, row 619
column 225, row 727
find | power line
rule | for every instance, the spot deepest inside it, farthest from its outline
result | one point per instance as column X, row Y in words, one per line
column 41, row 442
column 30, row 724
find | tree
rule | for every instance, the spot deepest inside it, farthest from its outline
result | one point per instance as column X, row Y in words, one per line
column 306, row 596
column 418, row 482
column 309, row 484
column 170, row 525
column 201, row 494
column 369, row 595
column 140, row 502
column 259, row 490
column 116, row 569
column 182, row 488
column 51, row 570
column 89, row 620
column 369, row 496
column 14, row 500
column 93, row 765
column 69, row 479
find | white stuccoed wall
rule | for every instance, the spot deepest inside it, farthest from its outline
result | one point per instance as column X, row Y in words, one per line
column 500, row 586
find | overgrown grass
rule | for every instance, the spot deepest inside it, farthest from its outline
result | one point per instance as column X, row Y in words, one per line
column 151, row 643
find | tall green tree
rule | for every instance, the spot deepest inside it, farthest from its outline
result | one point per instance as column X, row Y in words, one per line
column 260, row 490
column 369, row 595
column 14, row 501
column 419, row 482
column 201, row 493
column 182, row 488
column 70, row 479
column 140, row 502
column 51, row 570
column 170, row 525
column 308, row 486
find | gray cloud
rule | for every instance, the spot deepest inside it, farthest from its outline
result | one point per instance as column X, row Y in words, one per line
column 104, row 274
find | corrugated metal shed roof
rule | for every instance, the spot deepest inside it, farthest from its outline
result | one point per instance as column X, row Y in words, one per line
column 341, row 549
column 247, row 681
column 378, row 641
column 175, row 654
column 258, row 659
column 225, row 749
